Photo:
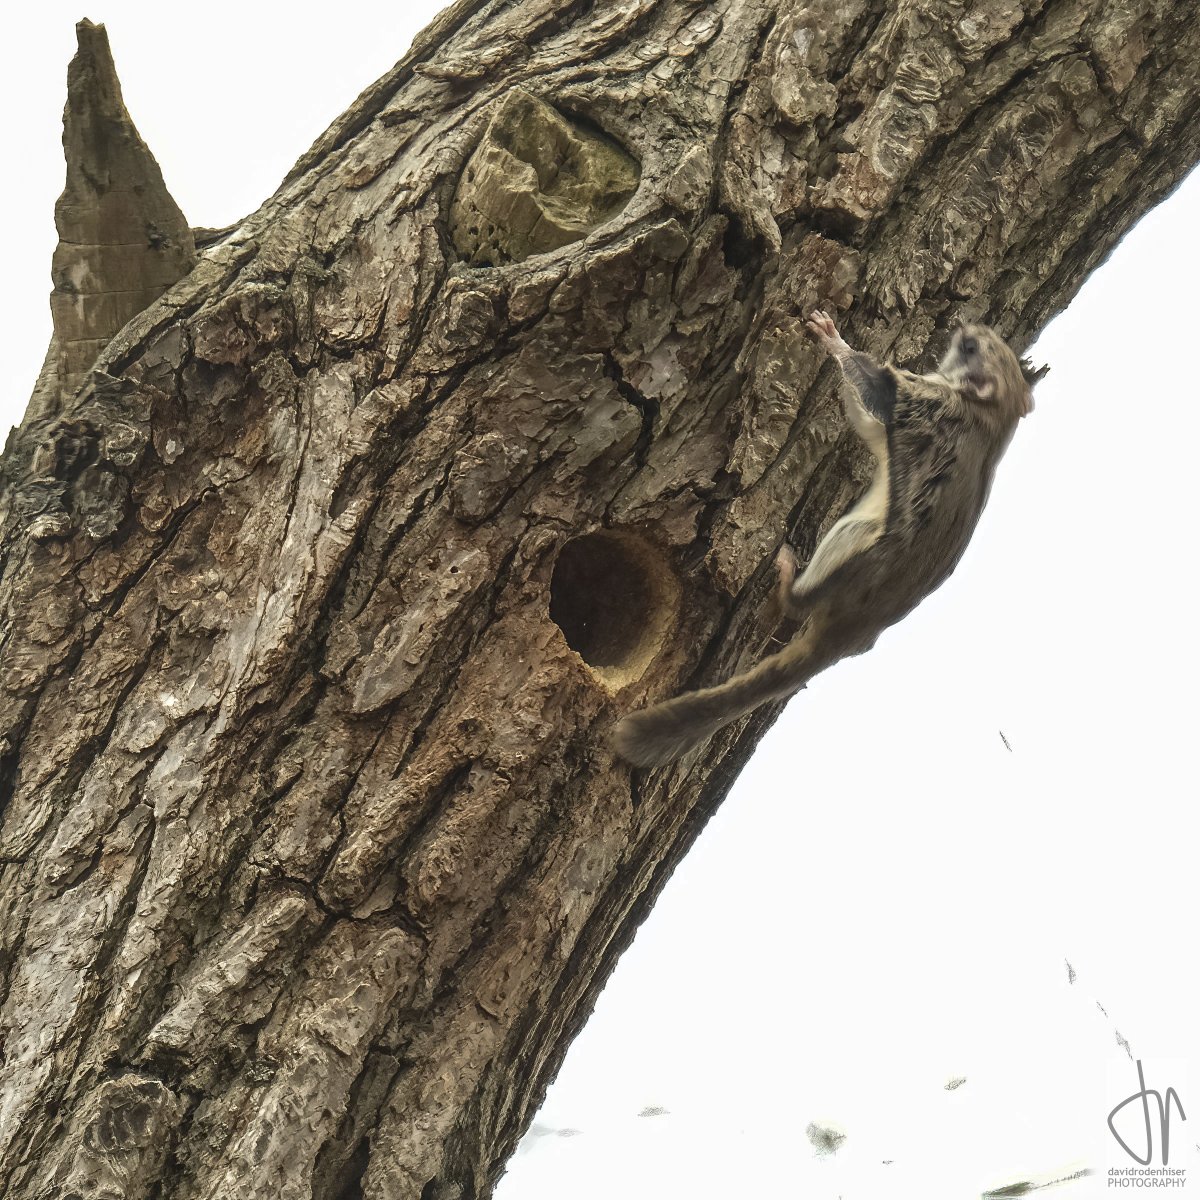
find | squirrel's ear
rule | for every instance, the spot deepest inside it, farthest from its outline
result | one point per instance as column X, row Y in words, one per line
column 1027, row 402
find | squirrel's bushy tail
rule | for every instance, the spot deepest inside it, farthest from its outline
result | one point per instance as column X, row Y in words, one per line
column 663, row 732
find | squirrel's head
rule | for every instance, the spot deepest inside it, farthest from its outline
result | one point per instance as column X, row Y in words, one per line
column 982, row 366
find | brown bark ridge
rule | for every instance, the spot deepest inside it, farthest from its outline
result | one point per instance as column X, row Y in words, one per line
column 320, row 597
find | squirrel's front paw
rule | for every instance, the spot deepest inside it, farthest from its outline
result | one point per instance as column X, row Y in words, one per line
column 820, row 323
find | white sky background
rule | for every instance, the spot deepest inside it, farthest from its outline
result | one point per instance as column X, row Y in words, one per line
column 886, row 900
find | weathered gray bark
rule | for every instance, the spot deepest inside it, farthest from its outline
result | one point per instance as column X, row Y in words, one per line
column 313, row 854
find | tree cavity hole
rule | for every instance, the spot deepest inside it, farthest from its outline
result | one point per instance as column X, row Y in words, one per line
column 614, row 597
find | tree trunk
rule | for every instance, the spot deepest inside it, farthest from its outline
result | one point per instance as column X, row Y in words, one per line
column 322, row 593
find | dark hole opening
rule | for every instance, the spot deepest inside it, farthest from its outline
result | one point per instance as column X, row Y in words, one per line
column 349, row 1185
column 739, row 245
column 604, row 597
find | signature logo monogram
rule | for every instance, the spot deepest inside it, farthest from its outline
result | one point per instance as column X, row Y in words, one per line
column 1164, row 1119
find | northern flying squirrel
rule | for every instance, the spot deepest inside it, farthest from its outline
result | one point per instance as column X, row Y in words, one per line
column 936, row 440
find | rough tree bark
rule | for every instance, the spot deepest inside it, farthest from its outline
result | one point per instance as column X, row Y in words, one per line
column 320, row 594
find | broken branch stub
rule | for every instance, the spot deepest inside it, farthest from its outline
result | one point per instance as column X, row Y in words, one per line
column 122, row 238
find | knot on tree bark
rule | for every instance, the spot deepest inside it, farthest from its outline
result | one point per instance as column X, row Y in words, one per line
column 537, row 181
